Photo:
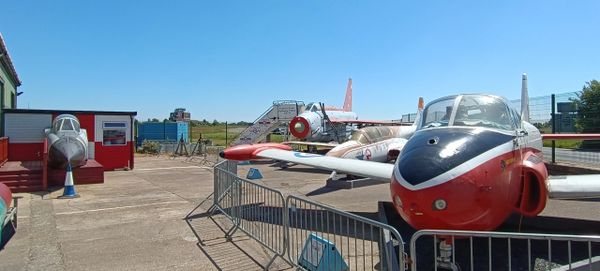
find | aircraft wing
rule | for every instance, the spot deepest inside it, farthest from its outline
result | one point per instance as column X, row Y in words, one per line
column 574, row 186
column 282, row 152
column 374, row 170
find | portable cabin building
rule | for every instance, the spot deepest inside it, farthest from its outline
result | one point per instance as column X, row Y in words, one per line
column 110, row 135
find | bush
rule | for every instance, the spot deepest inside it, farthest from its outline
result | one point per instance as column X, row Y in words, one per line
column 152, row 147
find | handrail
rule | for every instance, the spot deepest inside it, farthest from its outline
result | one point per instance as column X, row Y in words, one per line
column 3, row 150
column 253, row 123
column 263, row 114
column 45, row 165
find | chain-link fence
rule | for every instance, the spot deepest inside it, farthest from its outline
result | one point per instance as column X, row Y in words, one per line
column 566, row 112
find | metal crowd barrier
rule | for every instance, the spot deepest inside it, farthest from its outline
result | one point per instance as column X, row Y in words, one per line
column 307, row 234
column 361, row 242
column 225, row 174
column 259, row 212
column 473, row 250
column 285, row 226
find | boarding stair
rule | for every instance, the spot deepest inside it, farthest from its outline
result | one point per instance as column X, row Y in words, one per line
column 279, row 114
column 22, row 176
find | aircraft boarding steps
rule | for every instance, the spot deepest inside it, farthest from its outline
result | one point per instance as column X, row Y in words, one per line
column 281, row 112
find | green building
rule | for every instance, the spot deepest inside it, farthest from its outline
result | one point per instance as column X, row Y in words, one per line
column 9, row 81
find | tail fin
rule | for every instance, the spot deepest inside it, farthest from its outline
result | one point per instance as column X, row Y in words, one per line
column 524, row 99
column 348, row 101
column 419, row 111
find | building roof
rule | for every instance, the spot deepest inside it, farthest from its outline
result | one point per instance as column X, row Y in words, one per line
column 6, row 57
column 72, row 112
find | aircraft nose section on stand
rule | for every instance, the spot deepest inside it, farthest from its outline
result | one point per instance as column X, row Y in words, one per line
column 433, row 152
column 67, row 149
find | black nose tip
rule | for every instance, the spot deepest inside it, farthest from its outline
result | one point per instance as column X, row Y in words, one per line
column 222, row 154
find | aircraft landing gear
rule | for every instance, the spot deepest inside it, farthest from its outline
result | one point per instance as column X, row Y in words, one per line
column 444, row 259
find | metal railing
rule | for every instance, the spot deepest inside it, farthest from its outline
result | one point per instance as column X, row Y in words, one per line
column 287, row 227
column 259, row 212
column 283, row 226
column 362, row 243
column 476, row 250
column 225, row 174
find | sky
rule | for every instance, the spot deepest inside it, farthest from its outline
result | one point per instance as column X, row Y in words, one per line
column 229, row 60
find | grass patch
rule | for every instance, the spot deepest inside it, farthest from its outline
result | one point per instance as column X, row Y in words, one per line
column 564, row 144
column 217, row 134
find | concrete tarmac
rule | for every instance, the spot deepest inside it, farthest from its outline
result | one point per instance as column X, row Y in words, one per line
column 136, row 219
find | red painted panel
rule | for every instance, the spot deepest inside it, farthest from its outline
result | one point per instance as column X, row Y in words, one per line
column 25, row 151
column 112, row 157
column 3, row 150
column 91, row 172
column 87, row 122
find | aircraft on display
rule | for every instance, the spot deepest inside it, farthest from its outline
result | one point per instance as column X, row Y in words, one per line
column 377, row 143
column 472, row 161
column 320, row 123
column 67, row 142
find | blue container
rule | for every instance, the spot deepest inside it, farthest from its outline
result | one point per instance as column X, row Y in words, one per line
column 162, row 131
column 182, row 130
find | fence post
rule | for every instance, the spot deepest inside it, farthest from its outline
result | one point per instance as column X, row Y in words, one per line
column 553, row 98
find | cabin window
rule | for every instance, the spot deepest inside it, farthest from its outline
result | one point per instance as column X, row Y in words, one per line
column 114, row 133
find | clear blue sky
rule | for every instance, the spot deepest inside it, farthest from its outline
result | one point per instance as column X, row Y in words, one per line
column 228, row 60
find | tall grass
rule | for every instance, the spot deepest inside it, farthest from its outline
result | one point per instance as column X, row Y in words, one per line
column 217, row 134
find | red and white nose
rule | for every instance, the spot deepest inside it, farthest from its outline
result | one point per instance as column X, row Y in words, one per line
column 300, row 127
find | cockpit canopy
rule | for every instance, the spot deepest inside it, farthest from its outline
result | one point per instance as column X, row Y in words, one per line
column 373, row 134
column 65, row 122
column 473, row 110
column 313, row 107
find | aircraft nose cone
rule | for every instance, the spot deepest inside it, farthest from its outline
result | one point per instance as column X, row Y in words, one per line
column 222, row 154
column 432, row 152
column 66, row 151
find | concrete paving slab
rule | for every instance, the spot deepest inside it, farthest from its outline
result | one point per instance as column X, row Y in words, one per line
column 134, row 221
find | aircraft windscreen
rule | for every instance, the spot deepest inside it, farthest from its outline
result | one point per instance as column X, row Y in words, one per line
column 483, row 111
column 314, row 107
column 57, row 125
column 370, row 135
column 360, row 136
column 67, row 126
column 75, row 125
column 438, row 113
column 473, row 110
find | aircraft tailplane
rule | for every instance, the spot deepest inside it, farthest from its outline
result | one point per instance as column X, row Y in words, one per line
column 524, row 99
column 348, row 101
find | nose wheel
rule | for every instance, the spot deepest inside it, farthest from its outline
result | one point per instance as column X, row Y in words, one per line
column 444, row 259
